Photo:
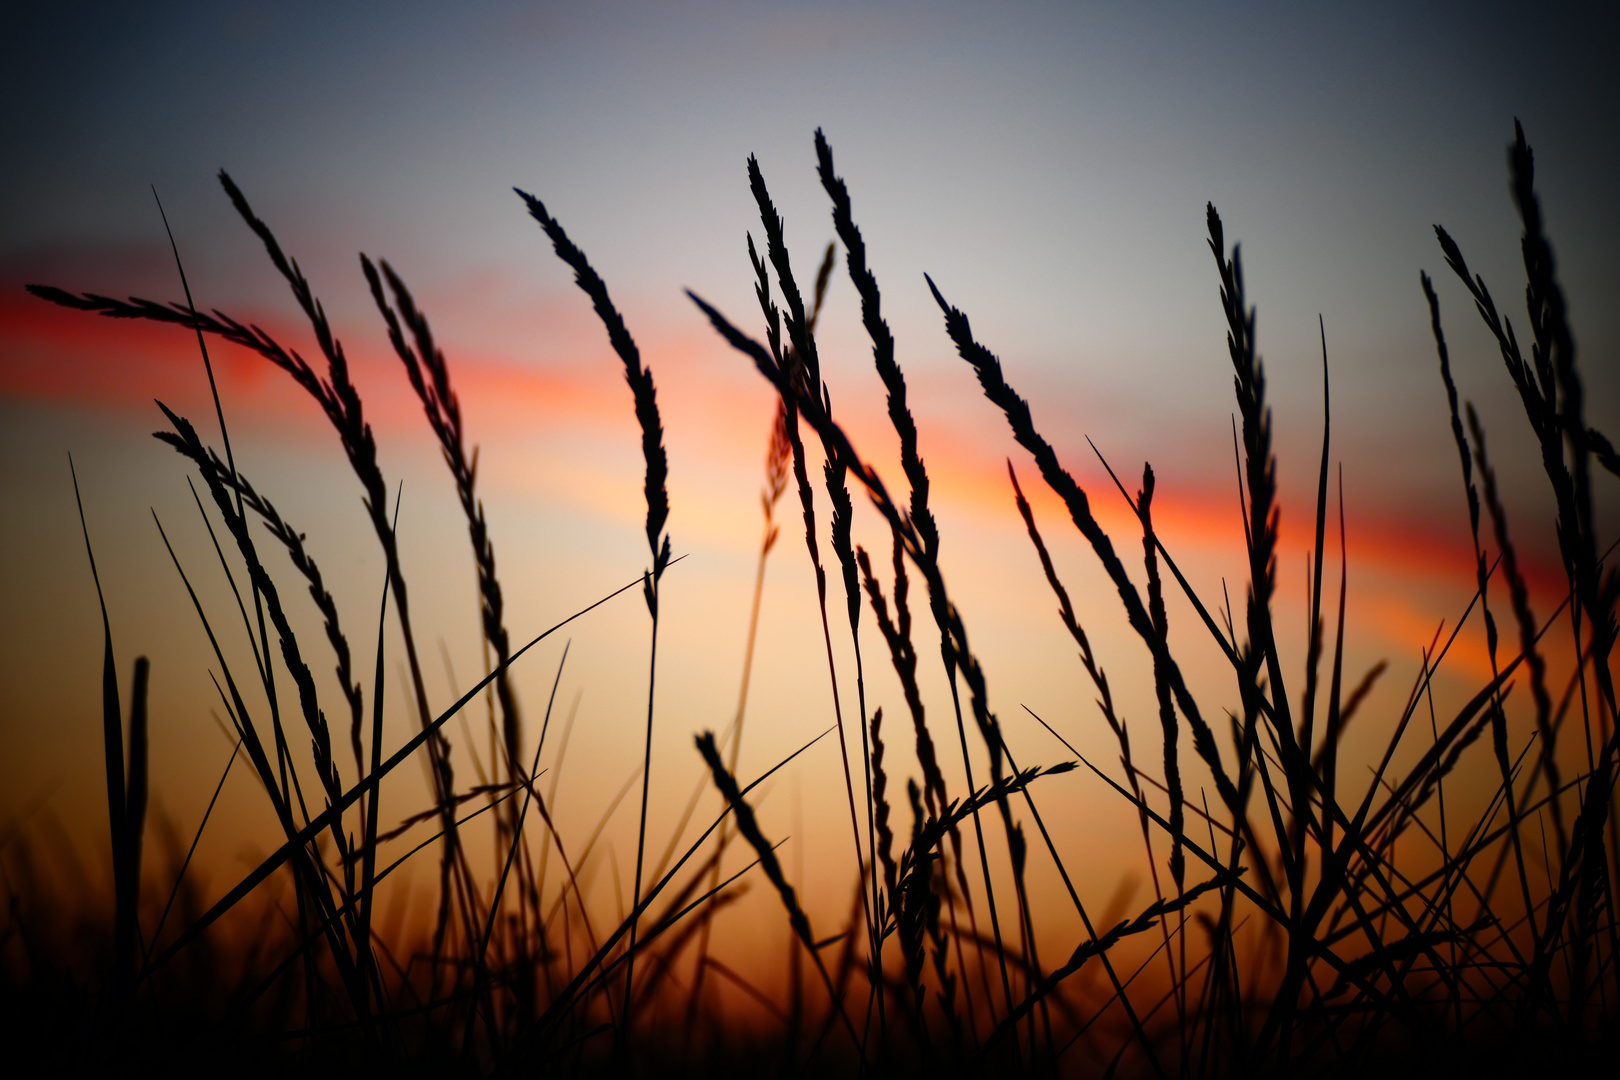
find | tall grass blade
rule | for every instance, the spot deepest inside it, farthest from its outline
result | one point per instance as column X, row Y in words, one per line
column 112, row 732
column 645, row 396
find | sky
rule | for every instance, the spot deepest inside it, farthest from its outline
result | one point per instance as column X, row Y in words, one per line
column 1048, row 165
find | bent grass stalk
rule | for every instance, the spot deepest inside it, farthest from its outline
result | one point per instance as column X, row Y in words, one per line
column 927, row 534
column 652, row 446
column 801, row 366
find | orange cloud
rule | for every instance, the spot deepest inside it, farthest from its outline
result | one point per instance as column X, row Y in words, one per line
column 717, row 416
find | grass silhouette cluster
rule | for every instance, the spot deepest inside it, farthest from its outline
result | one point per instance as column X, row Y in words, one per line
column 1291, row 933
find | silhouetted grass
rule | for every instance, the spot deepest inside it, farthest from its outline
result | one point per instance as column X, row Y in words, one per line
column 1313, row 921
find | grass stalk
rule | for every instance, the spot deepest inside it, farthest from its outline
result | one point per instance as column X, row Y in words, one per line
column 801, row 366
column 646, row 404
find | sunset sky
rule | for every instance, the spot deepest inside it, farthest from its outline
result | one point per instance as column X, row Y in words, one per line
column 1048, row 165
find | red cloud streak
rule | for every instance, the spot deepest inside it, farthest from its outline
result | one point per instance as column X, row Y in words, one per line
column 52, row 355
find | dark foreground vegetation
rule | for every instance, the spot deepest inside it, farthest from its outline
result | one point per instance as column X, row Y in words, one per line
column 1290, row 932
